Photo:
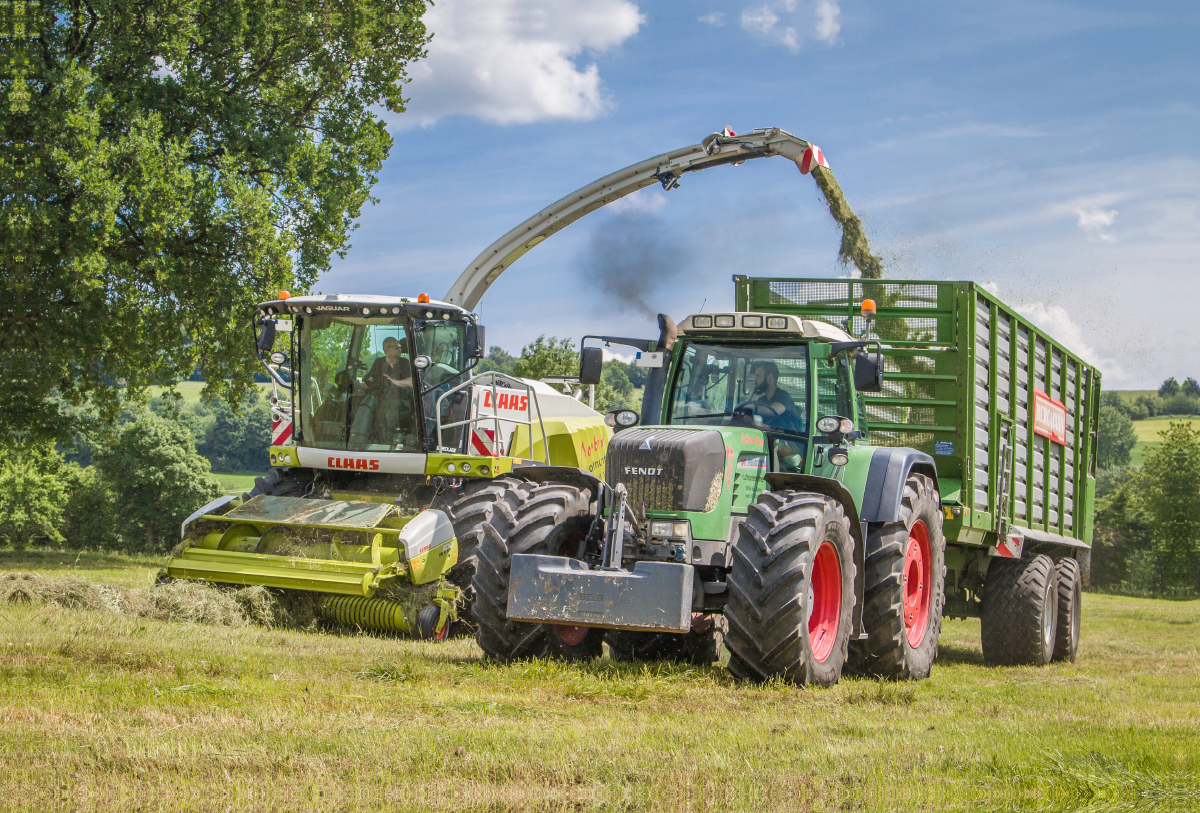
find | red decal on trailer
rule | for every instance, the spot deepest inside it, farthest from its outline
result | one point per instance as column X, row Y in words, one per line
column 1049, row 418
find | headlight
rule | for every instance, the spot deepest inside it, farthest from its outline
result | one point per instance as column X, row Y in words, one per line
column 278, row 357
column 725, row 321
column 660, row 528
column 681, row 529
column 466, row 466
column 846, row 426
column 838, row 457
column 701, row 321
column 777, row 322
column 829, row 423
column 751, row 321
column 626, row 417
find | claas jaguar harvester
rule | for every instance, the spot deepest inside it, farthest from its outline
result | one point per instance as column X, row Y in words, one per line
column 387, row 456
column 820, row 476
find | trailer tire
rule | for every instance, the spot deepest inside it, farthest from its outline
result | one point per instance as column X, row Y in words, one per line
column 1019, row 612
column 1070, row 595
column 470, row 510
column 698, row 647
column 791, row 590
column 905, row 589
column 526, row 518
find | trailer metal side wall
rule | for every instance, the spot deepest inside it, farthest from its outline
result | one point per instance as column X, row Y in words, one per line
column 962, row 370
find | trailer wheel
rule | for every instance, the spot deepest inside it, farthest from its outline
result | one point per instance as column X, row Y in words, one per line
column 526, row 518
column 905, row 586
column 1019, row 613
column 470, row 510
column 791, row 590
column 427, row 620
column 701, row 646
column 1070, row 597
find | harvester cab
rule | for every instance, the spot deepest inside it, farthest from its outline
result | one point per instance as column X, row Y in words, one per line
column 387, row 453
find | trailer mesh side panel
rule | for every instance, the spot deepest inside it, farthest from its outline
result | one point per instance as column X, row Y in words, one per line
column 961, row 370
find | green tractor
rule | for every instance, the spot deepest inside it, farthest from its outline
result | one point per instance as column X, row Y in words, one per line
column 387, row 455
column 766, row 498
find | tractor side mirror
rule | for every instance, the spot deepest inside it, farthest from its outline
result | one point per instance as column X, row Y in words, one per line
column 868, row 372
column 591, row 365
column 266, row 339
column 476, row 341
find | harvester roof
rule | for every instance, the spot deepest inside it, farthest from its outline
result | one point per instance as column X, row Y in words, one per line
column 364, row 305
column 759, row 326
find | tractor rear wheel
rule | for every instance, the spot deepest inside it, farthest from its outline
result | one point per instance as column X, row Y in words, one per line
column 1019, row 613
column 545, row 518
column 791, row 590
column 701, row 646
column 905, row 582
column 1070, row 596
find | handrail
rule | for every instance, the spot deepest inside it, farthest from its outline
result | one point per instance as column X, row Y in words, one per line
column 531, row 405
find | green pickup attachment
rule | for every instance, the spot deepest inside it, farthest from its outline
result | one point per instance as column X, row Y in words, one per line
column 336, row 547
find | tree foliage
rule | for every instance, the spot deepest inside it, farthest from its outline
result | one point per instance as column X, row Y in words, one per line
column 1168, row 388
column 1117, row 438
column 34, row 481
column 156, row 479
column 166, row 165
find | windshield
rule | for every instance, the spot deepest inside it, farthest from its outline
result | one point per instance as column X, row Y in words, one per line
column 357, row 384
column 751, row 385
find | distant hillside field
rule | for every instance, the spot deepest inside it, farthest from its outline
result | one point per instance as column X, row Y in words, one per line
column 190, row 390
column 1148, row 435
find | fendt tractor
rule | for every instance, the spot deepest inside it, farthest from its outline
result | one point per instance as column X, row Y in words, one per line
column 387, row 456
column 819, row 477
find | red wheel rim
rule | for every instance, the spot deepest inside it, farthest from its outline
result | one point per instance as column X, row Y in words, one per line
column 572, row 635
column 918, row 583
column 824, row 601
column 440, row 635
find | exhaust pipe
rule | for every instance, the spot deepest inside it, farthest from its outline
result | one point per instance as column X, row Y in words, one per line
column 656, row 381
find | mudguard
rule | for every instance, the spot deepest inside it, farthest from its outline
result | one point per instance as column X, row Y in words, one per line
column 886, row 476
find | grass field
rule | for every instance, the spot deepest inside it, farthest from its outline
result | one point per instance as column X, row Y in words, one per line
column 104, row 712
column 235, row 483
column 191, row 390
column 1148, row 435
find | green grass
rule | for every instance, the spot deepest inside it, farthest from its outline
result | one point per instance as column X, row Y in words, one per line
column 99, row 711
column 1148, row 435
column 235, row 483
column 191, row 390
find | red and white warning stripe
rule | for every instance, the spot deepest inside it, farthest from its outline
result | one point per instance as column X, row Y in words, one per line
column 484, row 442
column 728, row 132
column 812, row 158
column 281, row 430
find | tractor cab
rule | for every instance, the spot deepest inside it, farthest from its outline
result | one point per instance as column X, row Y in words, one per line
column 366, row 372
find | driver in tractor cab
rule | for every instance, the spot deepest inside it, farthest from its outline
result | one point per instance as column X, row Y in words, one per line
column 774, row 405
column 388, row 377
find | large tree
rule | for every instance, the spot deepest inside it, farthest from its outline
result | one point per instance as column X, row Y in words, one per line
column 165, row 165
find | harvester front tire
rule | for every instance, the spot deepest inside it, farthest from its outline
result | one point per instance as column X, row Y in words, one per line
column 700, row 646
column 544, row 518
column 1019, row 612
column 791, row 590
column 1070, row 598
column 468, row 513
column 905, row 585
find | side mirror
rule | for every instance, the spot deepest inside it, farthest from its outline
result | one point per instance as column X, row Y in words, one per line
column 591, row 365
column 266, row 339
column 476, row 341
column 868, row 372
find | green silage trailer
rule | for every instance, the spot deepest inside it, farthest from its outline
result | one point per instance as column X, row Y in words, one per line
column 1008, row 413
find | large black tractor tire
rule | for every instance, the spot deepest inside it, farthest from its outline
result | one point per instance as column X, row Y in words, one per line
column 701, row 646
column 1070, row 597
column 905, row 589
column 545, row 518
column 276, row 483
column 469, row 509
column 791, row 590
column 1019, row 613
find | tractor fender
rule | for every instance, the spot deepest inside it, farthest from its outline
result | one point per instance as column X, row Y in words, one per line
column 886, row 476
column 835, row 490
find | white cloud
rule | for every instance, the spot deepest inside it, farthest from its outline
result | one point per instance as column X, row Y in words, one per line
column 716, row 19
column 1093, row 221
column 991, row 287
column 644, row 201
column 515, row 61
column 789, row 22
column 827, row 21
column 1057, row 321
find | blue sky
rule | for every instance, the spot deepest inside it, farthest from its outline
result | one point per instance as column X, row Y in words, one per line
column 1050, row 150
